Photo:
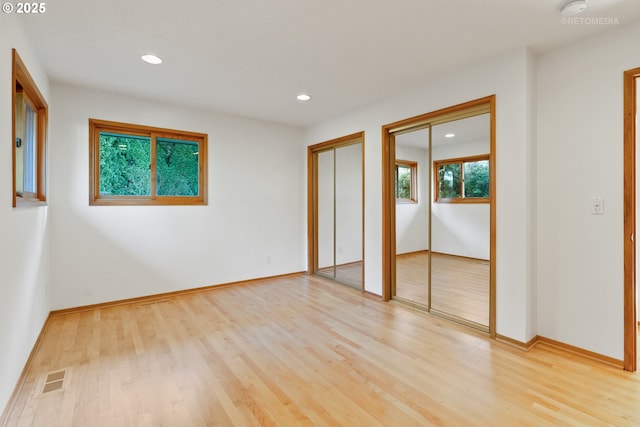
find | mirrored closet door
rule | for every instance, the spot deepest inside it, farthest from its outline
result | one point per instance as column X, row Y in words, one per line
column 440, row 215
column 460, row 219
column 336, row 210
column 411, row 185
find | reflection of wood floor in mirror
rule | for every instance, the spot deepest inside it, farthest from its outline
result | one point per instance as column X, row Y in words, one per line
column 349, row 274
column 460, row 286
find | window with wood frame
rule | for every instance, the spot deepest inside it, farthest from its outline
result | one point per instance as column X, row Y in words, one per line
column 462, row 180
column 406, row 180
column 142, row 165
column 29, row 124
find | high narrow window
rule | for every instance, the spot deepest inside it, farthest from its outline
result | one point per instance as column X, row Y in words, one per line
column 29, row 137
column 463, row 180
column 141, row 165
column 406, row 179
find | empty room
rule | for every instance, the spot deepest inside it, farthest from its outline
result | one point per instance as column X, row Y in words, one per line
column 363, row 213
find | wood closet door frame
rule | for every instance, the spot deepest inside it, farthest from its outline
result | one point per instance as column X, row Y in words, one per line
column 630, row 302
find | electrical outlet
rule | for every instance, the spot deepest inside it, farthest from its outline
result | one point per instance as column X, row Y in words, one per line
column 268, row 260
column 597, row 206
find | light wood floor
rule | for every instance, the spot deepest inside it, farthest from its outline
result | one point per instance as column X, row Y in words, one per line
column 459, row 286
column 302, row 351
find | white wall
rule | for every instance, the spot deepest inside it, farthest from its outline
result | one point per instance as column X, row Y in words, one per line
column 461, row 229
column 24, row 241
column 412, row 219
column 580, row 156
column 507, row 77
column 106, row 253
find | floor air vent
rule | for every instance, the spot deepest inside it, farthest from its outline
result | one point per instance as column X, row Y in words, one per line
column 54, row 381
column 146, row 304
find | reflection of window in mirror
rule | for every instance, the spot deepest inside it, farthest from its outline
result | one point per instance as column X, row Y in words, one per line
column 29, row 125
column 406, row 179
column 462, row 180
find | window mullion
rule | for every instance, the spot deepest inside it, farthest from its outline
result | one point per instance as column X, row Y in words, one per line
column 461, row 179
column 152, row 166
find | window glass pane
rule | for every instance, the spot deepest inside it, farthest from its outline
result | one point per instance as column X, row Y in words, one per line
column 29, row 149
column 449, row 181
column 403, row 182
column 177, row 165
column 476, row 179
column 125, row 165
column 19, row 134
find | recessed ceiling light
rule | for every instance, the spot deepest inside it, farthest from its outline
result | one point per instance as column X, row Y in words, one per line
column 151, row 59
column 450, row 135
column 303, row 97
column 573, row 7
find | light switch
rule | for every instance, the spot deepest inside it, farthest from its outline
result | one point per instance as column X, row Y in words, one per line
column 597, row 206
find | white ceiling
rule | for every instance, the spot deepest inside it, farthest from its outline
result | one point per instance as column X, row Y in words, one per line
column 252, row 57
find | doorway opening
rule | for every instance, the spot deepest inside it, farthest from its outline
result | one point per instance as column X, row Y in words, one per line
column 631, row 141
column 439, row 250
column 336, row 210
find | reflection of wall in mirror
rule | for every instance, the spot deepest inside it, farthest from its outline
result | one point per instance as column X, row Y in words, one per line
column 325, row 176
column 349, row 204
column 412, row 219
